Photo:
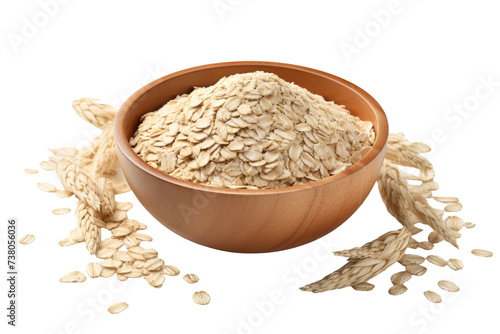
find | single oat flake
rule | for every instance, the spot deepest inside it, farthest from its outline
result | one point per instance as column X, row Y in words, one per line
column 94, row 270
column 48, row 187
column 191, row 278
column 73, row 277
column 448, row 286
column 416, row 269
column 396, row 290
column 400, row 277
column 364, row 286
column 48, row 165
column 30, row 171
column 117, row 308
column 482, row 253
column 455, row 264
column 63, row 193
column 433, row 297
column 61, row 211
column 201, row 298
column 171, row 270
column 436, row 260
column 27, row 239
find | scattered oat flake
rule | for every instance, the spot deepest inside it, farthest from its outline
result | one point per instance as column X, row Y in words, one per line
column 433, row 297
column 27, row 239
column 455, row 264
column 117, row 308
column 416, row 269
column 63, row 193
column 435, row 237
column 455, row 223
column 448, row 286
column 73, row 277
column 46, row 187
column 446, row 199
column 66, row 242
column 396, row 290
column 365, row 286
column 107, row 272
column 409, row 259
column 48, row 165
column 61, row 211
column 400, row 277
column 94, row 270
column 31, row 171
column 453, row 207
column 437, row 260
column 171, row 270
column 482, row 253
column 191, row 278
column 201, row 298
column 469, row 225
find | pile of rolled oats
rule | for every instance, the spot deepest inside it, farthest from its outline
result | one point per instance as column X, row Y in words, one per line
column 252, row 130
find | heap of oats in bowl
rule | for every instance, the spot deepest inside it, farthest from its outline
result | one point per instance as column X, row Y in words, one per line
column 252, row 130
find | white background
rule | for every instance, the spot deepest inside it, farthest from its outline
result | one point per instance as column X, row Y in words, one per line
column 420, row 62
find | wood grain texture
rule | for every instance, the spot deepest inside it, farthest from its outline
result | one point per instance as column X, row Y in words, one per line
column 247, row 220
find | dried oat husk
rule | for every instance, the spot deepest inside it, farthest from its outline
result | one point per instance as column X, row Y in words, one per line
column 105, row 156
column 359, row 270
column 100, row 115
column 405, row 153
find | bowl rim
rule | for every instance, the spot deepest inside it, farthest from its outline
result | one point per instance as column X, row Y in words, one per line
column 122, row 142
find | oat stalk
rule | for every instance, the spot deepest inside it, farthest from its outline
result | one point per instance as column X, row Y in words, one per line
column 362, row 269
column 85, row 216
column 100, row 115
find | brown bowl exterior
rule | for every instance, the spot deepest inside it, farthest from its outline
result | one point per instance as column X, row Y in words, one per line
column 246, row 220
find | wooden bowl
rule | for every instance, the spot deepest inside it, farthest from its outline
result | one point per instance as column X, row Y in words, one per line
column 246, row 220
